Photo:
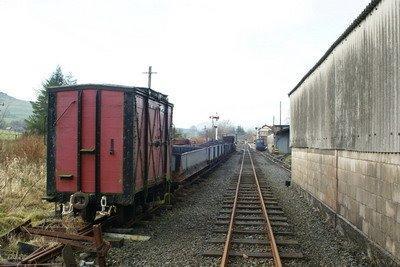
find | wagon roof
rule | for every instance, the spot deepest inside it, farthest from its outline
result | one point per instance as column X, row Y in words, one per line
column 344, row 35
column 142, row 90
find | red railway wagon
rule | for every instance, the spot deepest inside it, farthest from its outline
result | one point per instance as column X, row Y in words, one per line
column 108, row 146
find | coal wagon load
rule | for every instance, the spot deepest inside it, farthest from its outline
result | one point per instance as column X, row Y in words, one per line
column 229, row 139
column 108, row 147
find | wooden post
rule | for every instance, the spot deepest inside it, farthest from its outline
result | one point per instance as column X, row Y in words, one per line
column 98, row 242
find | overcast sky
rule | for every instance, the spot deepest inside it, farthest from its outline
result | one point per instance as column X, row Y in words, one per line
column 237, row 58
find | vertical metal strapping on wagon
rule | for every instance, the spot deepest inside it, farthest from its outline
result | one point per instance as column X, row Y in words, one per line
column 51, row 139
column 146, row 143
column 166, row 140
column 167, row 178
column 79, row 143
column 98, row 141
column 128, row 169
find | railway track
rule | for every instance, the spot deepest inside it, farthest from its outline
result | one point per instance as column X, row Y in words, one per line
column 276, row 161
column 251, row 227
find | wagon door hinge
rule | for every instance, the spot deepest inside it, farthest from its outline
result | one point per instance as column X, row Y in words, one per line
column 156, row 143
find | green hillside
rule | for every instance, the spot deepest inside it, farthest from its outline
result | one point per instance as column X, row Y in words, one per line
column 14, row 111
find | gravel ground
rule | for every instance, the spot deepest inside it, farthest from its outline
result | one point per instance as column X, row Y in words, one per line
column 177, row 236
column 320, row 242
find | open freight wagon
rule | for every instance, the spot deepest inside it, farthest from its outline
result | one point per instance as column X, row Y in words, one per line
column 188, row 161
column 108, row 145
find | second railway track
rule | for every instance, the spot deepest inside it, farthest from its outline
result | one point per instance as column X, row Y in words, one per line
column 251, row 227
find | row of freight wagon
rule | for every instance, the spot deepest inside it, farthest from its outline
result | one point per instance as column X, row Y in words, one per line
column 189, row 160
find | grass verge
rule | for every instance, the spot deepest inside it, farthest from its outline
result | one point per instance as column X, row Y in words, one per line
column 22, row 181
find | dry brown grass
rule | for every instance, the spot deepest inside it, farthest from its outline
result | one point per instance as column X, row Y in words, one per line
column 22, row 181
column 22, row 186
column 28, row 147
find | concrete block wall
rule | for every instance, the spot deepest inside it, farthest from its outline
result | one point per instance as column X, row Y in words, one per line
column 315, row 171
column 362, row 188
column 369, row 195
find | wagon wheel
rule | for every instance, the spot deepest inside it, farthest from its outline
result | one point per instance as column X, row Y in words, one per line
column 125, row 214
column 88, row 214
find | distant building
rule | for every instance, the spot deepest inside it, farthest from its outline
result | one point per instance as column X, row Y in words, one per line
column 276, row 137
column 264, row 131
column 282, row 140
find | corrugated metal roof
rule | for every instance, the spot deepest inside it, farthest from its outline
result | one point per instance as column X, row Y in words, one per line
column 344, row 35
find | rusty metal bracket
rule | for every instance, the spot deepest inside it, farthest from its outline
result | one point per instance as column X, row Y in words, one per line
column 93, row 243
column 16, row 230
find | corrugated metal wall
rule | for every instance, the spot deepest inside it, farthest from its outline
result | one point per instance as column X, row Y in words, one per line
column 282, row 143
column 351, row 101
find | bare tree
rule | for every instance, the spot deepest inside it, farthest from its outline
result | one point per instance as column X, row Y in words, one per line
column 226, row 127
column 250, row 135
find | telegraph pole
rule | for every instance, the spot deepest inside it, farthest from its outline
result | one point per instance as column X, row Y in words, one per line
column 149, row 73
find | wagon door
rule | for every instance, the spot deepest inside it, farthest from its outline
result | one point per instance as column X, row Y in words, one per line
column 101, row 141
column 87, row 140
column 111, row 138
column 156, row 141
column 66, row 147
column 152, row 123
column 89, row 136
column 75, row 140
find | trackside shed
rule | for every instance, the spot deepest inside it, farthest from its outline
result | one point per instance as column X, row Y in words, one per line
column 345, row 128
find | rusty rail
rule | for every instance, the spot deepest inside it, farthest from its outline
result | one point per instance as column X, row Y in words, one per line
column 82, row 239
column 281, row 164
column 225, row 255
column 274, row 247
column 15, row 231
column 267, row 223
column 93, row 243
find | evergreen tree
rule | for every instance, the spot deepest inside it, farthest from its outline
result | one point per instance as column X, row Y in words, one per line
column 36, row 123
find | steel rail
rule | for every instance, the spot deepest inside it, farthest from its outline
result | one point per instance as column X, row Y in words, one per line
column 225, row 255
column 274, row 248
column 281, row 164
